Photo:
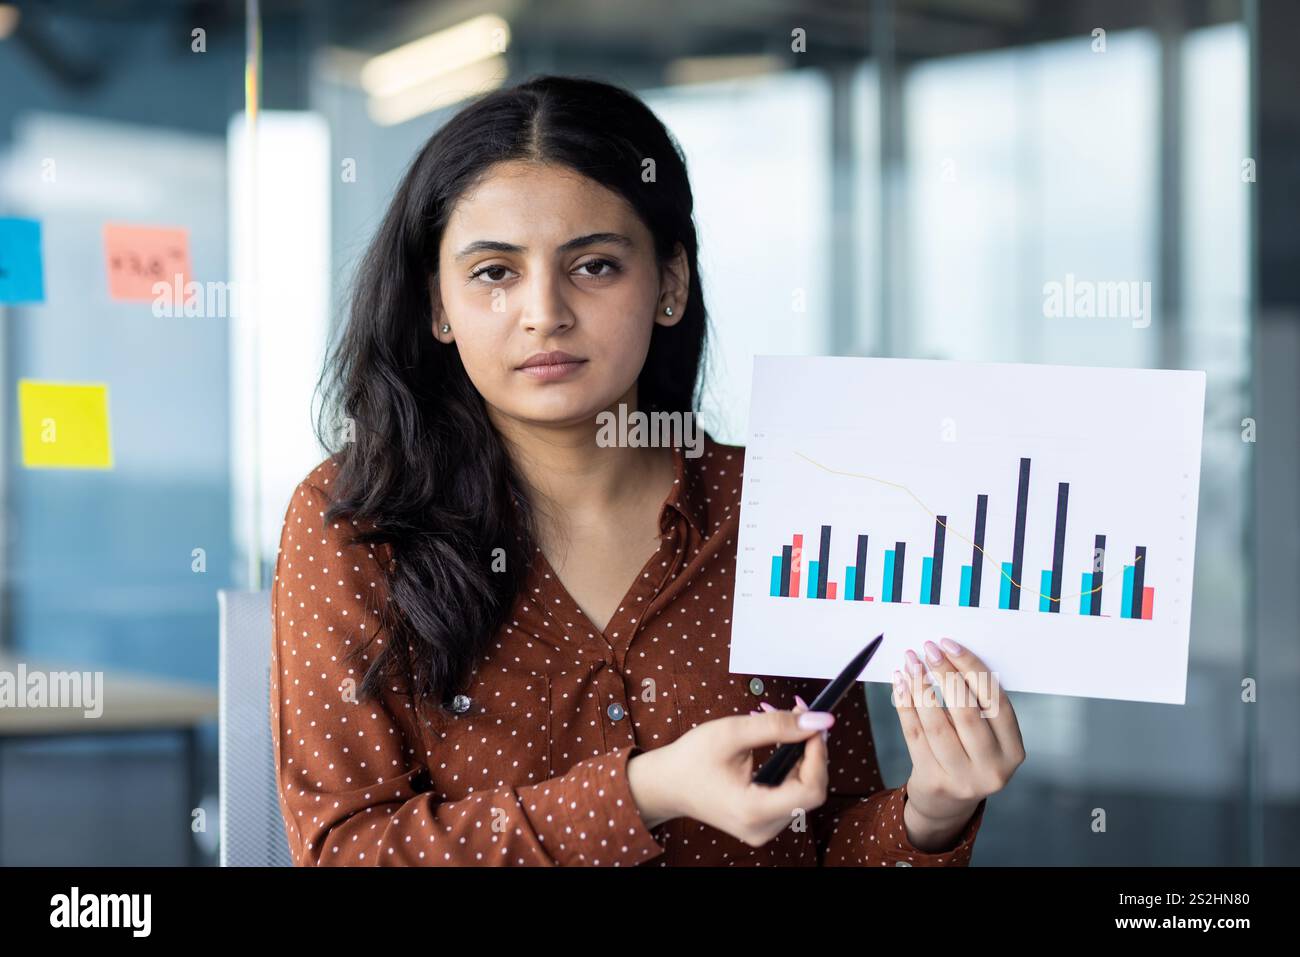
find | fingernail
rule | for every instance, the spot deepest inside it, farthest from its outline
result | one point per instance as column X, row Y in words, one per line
column 913, row 662
column 933, row 653
column 765, row 706
column 803, row 704
column 756, row 712
column 951, row 646
column 816, row 720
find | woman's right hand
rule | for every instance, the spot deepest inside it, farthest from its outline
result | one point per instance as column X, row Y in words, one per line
column 707, row 774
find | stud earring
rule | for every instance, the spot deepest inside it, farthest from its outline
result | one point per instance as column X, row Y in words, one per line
column 668, row 310
column 445, row 328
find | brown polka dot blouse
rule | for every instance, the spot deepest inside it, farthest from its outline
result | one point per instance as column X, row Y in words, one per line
column 530, row 765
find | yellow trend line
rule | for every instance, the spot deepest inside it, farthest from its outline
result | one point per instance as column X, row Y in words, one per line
column 933, row 515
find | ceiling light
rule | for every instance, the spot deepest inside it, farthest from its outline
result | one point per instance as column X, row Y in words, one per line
column 436, row 93
column 438, row 54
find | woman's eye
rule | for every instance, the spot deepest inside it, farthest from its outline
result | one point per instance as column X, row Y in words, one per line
column 493, row 273
column 599, row 264
column 593, row 269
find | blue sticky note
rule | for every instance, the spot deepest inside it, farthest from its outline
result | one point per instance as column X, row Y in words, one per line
column 22, row 278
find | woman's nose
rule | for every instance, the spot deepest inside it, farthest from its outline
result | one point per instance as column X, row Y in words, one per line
column 543, row 308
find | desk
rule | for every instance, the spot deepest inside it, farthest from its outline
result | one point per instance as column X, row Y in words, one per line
column 132, row 704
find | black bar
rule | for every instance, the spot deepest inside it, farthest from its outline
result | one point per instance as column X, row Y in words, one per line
column 823, row 559
column 1139, row 566
column 936, row 563
column 899, row 549
column 1098, row 572
column 1018, row 543
column 977, row 552
column 860, row 576
column 1058, row 545
column 785, row 570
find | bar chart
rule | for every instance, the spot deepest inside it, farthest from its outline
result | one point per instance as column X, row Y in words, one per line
column 1034, row 512
column 1137, row 599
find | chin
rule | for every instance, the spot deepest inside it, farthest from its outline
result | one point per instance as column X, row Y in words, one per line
column 559, row 413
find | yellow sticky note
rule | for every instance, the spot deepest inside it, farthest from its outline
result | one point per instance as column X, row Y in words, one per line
column 64, row 425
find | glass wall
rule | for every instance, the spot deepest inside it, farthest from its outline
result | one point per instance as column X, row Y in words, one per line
column 113, row 142
column 1043, row 162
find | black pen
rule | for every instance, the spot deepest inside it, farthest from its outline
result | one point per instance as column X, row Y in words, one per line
column 775, row 769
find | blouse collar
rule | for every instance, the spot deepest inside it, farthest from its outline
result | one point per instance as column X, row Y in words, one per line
column 690, row 491
column 689, row 495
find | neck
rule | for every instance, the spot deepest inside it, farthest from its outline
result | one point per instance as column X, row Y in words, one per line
column 570, row 477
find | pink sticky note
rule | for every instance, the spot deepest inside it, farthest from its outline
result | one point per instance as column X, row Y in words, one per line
column 139, row 256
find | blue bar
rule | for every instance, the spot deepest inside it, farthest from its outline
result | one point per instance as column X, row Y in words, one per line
column 1045, row 590
column 964, row 601
column 1004, row 592
column 1126, row 600
column 776, row 576
column 887, row 589
column 927, row 568
column 850, row 578
column 812, row 579
column 1085, row 594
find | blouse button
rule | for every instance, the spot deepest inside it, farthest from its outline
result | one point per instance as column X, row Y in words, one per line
column 460, row 703
column 902, row 864
column 615, row 711
column 755, row 685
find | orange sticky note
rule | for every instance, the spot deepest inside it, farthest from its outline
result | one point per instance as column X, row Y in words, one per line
column 139, row 256
column 64, row 425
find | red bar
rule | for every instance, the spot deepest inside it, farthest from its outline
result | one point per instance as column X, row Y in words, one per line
column 867, row 598
column 796, row 562
column 830, row 590
column 1148, row 599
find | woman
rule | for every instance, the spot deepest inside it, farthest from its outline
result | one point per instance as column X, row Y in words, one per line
column 500, row 639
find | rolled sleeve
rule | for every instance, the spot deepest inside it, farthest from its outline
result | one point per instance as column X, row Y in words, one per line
column 870, row 832
column 599, row 823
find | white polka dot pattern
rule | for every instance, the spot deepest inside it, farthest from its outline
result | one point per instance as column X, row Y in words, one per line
column 532, row 771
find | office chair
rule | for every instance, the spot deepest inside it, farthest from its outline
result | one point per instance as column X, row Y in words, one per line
column 252, row 829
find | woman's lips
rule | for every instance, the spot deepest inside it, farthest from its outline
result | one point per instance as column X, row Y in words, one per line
column 553, row 370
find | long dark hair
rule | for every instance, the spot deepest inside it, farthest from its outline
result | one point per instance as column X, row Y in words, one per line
column 422, row 471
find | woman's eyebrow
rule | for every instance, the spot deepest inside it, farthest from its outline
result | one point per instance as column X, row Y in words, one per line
column 591, row 239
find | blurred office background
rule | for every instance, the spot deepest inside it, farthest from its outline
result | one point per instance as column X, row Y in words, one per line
column 904, row 182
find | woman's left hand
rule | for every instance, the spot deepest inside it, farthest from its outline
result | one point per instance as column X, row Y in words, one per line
column 963, row 747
